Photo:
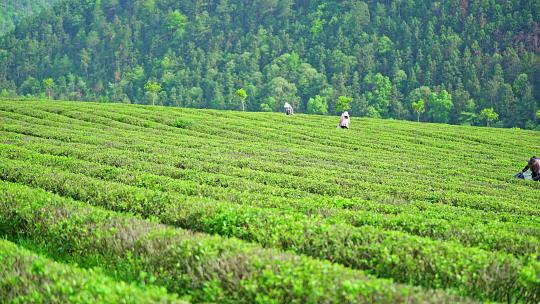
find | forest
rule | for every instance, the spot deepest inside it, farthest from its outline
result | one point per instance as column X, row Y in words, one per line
column 459, row 62
column 12, row 12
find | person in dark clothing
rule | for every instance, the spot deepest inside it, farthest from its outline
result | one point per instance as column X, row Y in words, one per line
column 534, row 166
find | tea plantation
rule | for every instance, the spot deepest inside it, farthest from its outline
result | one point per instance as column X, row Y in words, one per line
column 139, row 204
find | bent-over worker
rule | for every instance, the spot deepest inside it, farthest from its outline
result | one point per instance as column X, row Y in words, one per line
column 288, row 109
column 534, row 166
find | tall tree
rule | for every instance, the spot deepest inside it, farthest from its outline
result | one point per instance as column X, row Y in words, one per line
column 343, row 104
column 440, row 105
column 489, row 115
column 153, row 89
column 419, row 107
column 317, row 105
column 242, row 95
column 378, row 93
column 48, row 83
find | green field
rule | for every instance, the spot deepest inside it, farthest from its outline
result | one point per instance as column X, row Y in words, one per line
column 163, row 204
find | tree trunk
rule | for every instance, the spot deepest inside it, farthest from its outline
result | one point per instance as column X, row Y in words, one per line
column 243, row 106
column 153, row 99
column 418, row 116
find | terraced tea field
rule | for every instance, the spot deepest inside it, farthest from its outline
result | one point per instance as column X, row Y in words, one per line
column 124, row 203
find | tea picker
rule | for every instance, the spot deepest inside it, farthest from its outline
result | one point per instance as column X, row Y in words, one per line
column 534, row 166
column 288, row 109
column 344, row 120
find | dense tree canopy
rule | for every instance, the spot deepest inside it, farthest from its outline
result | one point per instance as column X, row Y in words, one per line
column 459, row 57
column 13, row 11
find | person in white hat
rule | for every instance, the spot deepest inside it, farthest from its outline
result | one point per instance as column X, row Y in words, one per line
column 344, row 120
column 288, row 109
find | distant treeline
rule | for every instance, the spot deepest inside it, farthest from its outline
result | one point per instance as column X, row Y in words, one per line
column 456, row 58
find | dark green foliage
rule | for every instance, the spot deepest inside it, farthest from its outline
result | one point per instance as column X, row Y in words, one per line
column 182, row 123
column 483, row 53
column 13, row 11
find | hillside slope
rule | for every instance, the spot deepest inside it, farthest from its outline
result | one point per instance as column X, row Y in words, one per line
column 434, row 206
column 12, row 12
column 458, row 56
